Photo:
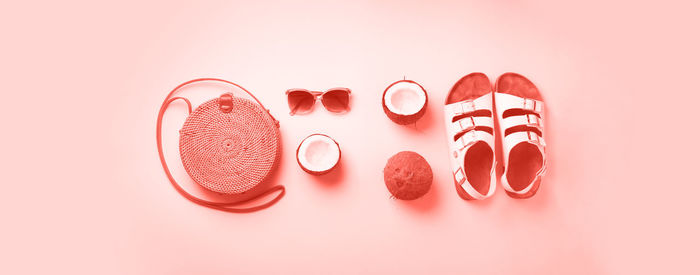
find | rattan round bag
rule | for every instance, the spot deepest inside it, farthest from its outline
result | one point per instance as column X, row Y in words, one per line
column 228, row 145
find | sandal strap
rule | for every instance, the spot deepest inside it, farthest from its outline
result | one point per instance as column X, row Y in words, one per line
column 471, row 122
column 508, row 101
column 516, row 138
column 529, row 120
column 484, row 102
column 471, row 137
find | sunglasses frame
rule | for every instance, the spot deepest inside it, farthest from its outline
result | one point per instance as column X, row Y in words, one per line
column 317, row 95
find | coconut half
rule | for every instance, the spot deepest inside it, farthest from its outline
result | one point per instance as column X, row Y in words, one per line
column 405, row 101
column 318, row 154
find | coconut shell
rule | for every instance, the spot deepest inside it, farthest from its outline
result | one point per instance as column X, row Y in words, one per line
column 408, row 175
column 318, row 173
column 404, row 119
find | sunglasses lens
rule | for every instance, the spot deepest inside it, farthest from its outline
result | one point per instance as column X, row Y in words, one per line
column 300, row 101
column 336, row 100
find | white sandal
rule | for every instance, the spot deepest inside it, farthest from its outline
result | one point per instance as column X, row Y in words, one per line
column 520, row 114
column 470, row 127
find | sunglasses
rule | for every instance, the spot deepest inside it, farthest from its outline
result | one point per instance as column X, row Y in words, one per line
column 302, row 101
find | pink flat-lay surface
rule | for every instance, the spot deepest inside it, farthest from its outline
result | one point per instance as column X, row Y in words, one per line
column 84, row 192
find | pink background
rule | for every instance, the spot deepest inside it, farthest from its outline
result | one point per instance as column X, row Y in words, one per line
column 84, row 191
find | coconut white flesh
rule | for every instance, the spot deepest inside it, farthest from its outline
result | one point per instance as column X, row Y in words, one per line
column 405, row 98
column 318, row 153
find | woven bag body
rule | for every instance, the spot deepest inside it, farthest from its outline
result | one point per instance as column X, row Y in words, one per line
column 229, row 150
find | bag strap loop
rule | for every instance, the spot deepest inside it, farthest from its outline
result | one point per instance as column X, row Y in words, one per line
column 226, row 103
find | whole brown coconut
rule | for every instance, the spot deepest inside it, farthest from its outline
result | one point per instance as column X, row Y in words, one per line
column 407, row 175
column 404, row 101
